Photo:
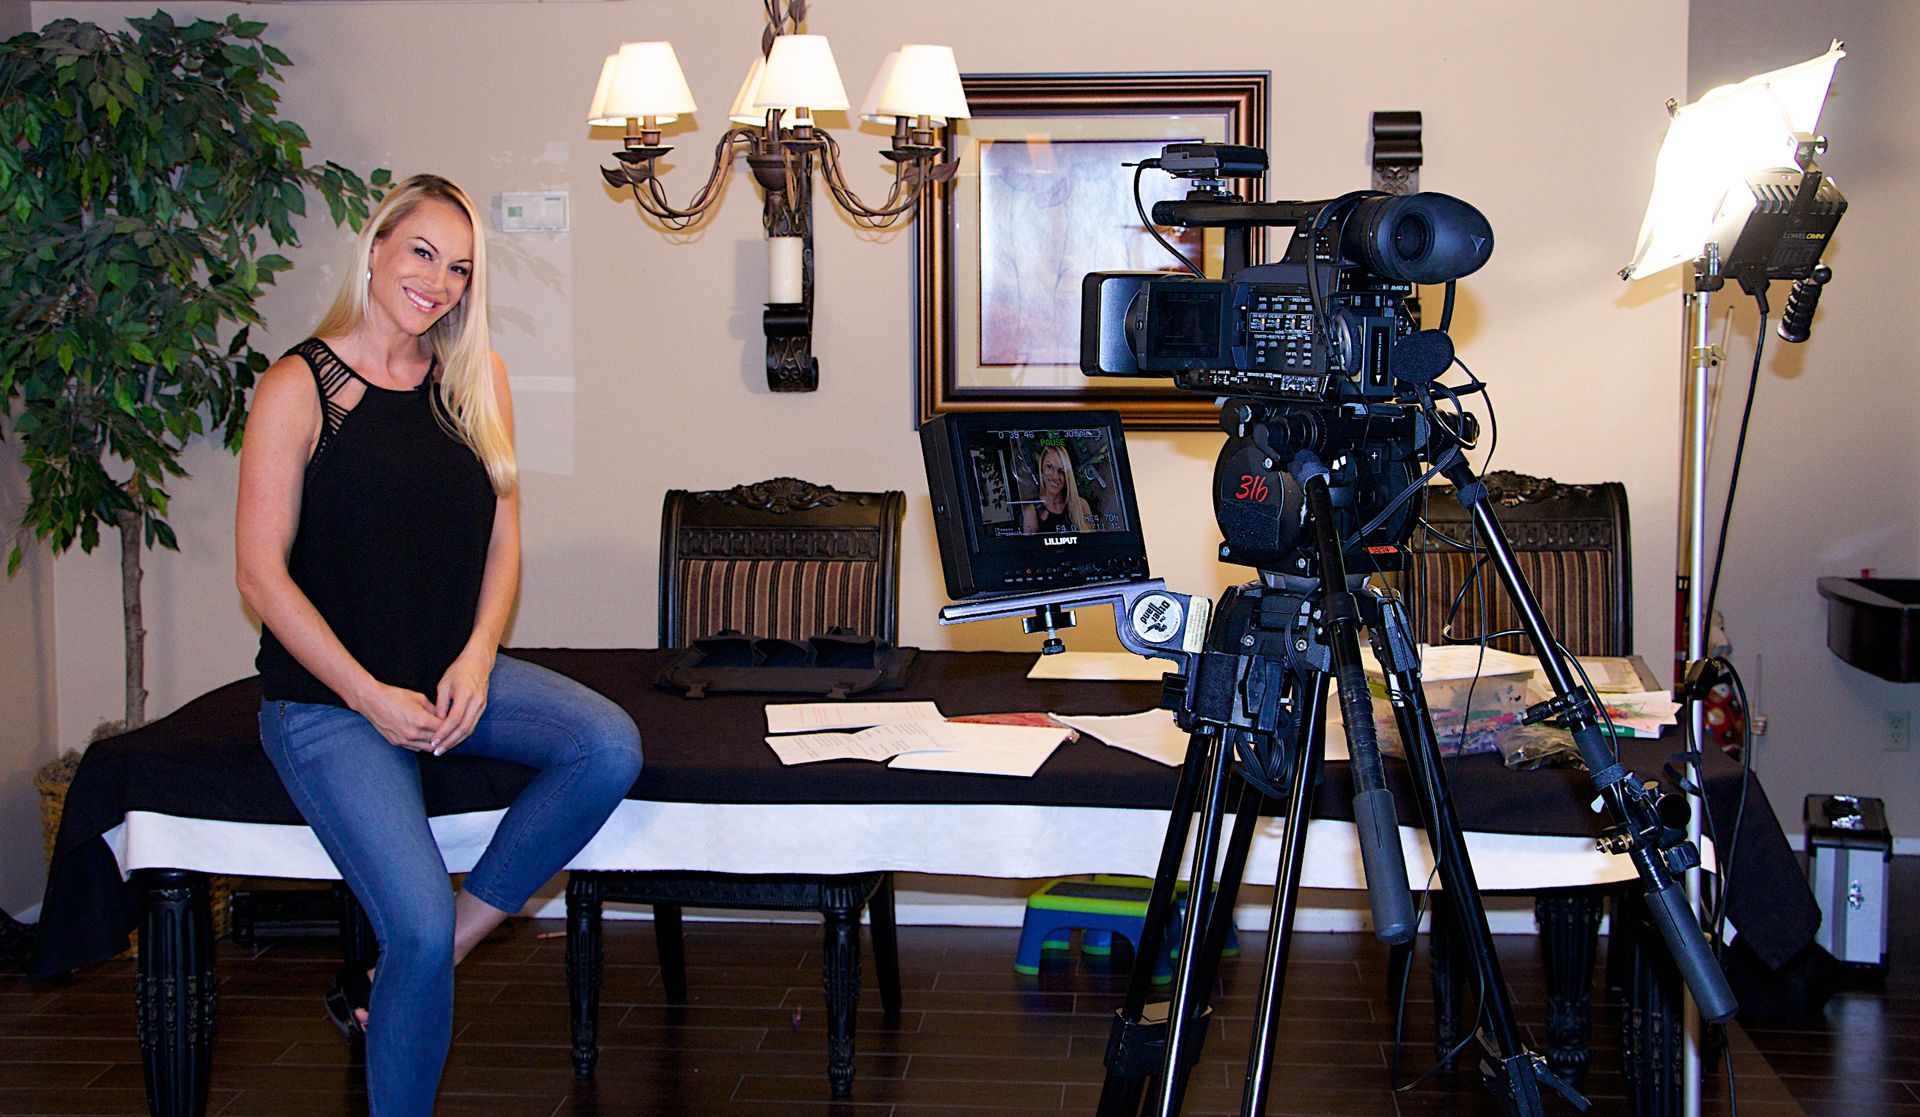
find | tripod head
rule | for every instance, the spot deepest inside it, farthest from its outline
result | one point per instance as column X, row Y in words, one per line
column 1376, row 455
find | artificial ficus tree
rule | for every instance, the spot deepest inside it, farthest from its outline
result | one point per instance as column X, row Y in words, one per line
column 141, row 170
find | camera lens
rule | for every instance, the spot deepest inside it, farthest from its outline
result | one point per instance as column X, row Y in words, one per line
column 1411, row 237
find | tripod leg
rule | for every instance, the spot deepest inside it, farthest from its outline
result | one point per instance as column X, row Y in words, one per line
column 1451, row 970
column 1373, row 811
column 1218, row 910
column 1184, row 1019
column 1126, row 1061
column 1308, row 758
column 1518, row 1076
column 1639, row 830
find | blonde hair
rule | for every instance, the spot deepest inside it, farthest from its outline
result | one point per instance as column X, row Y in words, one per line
column 459, row 339
column 1079, row 512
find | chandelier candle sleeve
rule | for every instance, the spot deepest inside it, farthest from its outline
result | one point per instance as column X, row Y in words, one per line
column 784, row 256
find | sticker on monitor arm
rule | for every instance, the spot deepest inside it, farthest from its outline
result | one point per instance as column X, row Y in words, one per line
column 1156, row 617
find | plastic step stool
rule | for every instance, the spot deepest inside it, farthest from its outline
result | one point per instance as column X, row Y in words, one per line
column 1100, row 909
column 1229, row 949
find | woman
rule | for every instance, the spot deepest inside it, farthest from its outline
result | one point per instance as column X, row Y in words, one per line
column 378, row 540
column 1060, row 507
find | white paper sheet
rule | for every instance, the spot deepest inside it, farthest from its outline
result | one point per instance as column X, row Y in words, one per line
column 879, row 743
column 1612, row 674
column 1118, row 666
column 800, row 717
column 984, row 749
column 1150, row 733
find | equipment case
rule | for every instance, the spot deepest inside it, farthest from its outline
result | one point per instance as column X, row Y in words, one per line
column 1850, row 864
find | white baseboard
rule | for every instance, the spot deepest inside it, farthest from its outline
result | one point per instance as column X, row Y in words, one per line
column 1320, row 911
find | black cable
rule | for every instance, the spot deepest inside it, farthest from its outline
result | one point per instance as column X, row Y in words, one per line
column 1453, row 1053
column 1141, row 208
column 1733, row 1095
column 1606, row 715
column 1436, row 533
column 1739, row 450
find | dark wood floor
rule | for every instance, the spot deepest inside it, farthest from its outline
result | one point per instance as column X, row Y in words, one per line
column 975, row 1038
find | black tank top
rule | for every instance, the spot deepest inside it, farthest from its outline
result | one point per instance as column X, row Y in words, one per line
column 395, row 517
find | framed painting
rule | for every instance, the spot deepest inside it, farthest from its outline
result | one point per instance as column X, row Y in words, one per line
column 1045, row 194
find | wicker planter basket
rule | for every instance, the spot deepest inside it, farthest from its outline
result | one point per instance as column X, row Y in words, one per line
column 52, row 781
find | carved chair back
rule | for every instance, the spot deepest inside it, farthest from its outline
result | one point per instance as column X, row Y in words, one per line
column 781, row 558
column 1570, row 542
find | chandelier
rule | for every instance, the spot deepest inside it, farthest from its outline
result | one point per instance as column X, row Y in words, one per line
column 916, row 92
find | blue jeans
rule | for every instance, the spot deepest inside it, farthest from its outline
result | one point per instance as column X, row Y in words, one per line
column 362, row 797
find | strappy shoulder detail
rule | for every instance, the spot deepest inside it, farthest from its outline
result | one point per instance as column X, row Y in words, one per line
column 331, row 376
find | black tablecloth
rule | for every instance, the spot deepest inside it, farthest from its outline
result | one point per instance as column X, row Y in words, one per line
column 205, row 761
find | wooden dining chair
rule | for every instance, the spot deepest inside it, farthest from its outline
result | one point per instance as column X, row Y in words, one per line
column 787, row 559
column 1572, row 545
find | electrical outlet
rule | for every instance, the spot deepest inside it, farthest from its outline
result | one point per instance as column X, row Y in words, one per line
column 1899, row 730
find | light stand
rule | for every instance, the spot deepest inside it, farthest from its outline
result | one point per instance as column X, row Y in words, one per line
column 1727, row 197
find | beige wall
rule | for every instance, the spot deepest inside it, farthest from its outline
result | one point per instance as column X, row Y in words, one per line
column 1831, row 483
column 637, row 357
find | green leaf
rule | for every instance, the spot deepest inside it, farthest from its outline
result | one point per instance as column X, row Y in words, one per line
column 140, row 352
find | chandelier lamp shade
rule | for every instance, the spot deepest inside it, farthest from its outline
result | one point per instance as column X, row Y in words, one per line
column 771, row 122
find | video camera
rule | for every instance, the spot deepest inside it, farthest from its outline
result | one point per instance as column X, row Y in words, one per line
column 1330, row 322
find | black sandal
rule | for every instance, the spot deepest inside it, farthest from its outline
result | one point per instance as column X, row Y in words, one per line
column 351, row 994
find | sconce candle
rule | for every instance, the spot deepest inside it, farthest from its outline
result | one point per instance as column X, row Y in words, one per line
column 784, row 269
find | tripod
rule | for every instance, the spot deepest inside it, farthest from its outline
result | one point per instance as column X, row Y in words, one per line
column 1254, row 703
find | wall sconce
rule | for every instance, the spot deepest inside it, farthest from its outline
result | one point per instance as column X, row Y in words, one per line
column 917, row 91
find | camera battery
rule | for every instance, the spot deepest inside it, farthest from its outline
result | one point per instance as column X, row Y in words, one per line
column 1850, row 863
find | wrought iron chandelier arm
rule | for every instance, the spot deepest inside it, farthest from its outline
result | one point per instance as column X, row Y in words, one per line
column 653, row 199
column 902, row 196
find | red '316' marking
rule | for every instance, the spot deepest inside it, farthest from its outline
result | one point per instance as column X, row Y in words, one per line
column 1252, row 487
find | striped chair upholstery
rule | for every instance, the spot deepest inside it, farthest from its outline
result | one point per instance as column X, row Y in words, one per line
column 782, row 558
column 1571, row 544
column 791, row 599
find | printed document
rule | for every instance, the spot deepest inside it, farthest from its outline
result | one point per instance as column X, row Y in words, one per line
column 802, row 717
column 882, row 742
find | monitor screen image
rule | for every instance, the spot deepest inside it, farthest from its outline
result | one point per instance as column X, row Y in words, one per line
column 1046, row 481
